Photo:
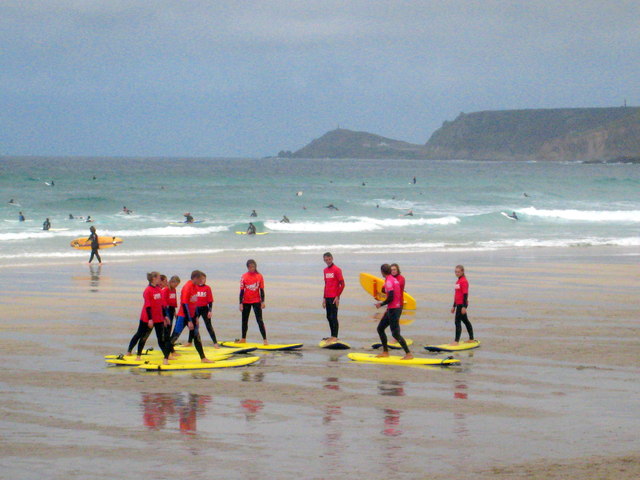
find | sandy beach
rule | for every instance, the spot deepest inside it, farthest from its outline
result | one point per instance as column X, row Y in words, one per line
column 552, row 393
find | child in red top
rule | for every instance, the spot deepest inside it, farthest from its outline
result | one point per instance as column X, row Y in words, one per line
column 333, row 288
column 391, row 317
column 395, row 271
column 204, row 308
column 460, row 304
column 187, row 312
column 170, row 296
column 152, row 316
column 252, row 296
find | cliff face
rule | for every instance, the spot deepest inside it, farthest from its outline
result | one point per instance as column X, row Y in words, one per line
column 342, row 143
column 569, row 134
column 553, row 134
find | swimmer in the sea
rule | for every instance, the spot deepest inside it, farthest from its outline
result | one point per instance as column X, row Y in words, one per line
column 331, row 206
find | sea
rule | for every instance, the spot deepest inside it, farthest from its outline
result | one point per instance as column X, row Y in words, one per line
column 451, row 205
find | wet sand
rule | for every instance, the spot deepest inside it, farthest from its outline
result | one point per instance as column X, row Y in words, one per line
column 552, row 393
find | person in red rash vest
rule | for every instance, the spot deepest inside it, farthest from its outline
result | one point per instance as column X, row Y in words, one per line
column 333, row 288
column 252, row 297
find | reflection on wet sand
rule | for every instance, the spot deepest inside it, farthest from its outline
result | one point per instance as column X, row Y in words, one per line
column 160, row 408
column 251, row 408
column 330, row 419
column 391, row 388
column 460, row 427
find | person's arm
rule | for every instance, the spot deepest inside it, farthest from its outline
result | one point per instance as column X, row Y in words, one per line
column 389, row 298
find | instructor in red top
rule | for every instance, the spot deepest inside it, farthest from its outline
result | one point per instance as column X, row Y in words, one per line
column 333, row 287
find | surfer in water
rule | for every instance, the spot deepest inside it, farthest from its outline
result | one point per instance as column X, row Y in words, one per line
column 460, row 305
column 409, row 213
column 251, row 229
column 333, row 288
column 331, row 206
column 253, row 213
column 284, row 219
column 21, row 217
column 513, row 215
column 391, row 317
column 46, row 225
column 95, row 245
column 252, row 297
column 187, row 217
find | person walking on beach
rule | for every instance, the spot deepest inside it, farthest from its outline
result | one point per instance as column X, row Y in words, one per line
column 333, row 288
column 95, row 245
column 460, row 305
column 391, row 317
column 152, row 316
column 252, row 296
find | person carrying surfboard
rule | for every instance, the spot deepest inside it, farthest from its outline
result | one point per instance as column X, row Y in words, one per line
column 333, row 288
column 391, row 317
column 252, row 296
column 460, row 304
column 95, row 245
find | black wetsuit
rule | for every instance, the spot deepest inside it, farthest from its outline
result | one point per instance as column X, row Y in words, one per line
column 391, row 318
column 95, row 246
column 462, row 318
column 257, row 310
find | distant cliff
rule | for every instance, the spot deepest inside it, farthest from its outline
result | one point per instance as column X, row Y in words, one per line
column 342, row 143
column 550, row 134
column 569, row 134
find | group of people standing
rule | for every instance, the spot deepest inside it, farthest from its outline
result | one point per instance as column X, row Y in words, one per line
column 196, row 301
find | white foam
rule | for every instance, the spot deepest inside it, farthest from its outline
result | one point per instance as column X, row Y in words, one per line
column 585, row 215
column 358, row 224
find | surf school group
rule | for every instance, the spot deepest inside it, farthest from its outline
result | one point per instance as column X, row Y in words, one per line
column 161, row 307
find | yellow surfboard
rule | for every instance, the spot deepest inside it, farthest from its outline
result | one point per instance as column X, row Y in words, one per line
column 395, row 345
column 105, row 242
column 130, row 360
column 260, row 346
column 397, row 360
column 232, row 362
column 446, row 347
column 373, row 286
column 339, row 345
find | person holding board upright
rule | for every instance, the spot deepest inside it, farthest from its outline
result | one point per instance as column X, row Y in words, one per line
column 391, row 317
column 460, row 304
column 333, row 287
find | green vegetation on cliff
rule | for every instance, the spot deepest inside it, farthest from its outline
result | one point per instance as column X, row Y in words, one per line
column 551, row 134
column 569, row 134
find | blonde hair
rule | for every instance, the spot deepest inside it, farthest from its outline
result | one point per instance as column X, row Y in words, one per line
column 152, row 275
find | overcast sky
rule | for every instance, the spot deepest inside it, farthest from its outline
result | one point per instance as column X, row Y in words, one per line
column 249, row 78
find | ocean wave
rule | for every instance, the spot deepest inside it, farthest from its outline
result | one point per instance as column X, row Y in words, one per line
column 358, row 224
column 584, row 215
column 171, row 231
column 382, row 248
column 40, row 234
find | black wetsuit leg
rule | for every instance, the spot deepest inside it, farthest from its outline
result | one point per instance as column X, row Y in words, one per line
column 332, row 316
column 462, row 318
column 384, row 323
column 143, row 329
column 171, row 313
column 246, row 310
column 196, row 339
column 394, row 323
column 94, row 252
column 163, row 340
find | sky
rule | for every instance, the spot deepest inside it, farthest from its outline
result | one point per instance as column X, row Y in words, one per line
column 250, row 78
